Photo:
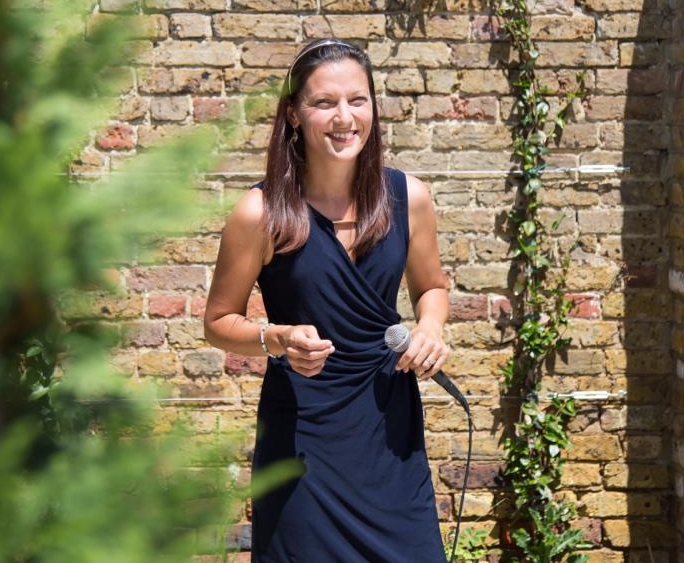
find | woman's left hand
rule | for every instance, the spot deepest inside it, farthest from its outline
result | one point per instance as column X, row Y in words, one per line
column 426, row 353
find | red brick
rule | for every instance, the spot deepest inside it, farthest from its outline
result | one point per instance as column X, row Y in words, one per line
column 465, row 307
column 500, row 307
column 445, row 507
column 167, row 305
column 482, row 475
column 487, row 28
column 117, row 137
column 198, row 305
column 591, row 529
column 211, row 109
column 237, row 364
column 642, row 275
column 585, row 305
column 166, row 277
column 255, row 306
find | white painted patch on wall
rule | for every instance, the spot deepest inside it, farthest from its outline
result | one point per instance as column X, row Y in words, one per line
column 677, row 281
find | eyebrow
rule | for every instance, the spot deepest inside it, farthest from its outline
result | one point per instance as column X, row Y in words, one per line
column 324, row 93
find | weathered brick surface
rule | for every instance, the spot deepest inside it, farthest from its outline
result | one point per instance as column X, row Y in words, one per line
column 117, row 137
column 167, row 305
column 255, row 26
column 371, row 27
column 180, row 81
column 446, row 106
column 144, row 333
column 157, row 363
column 186, row 334
column 101, row 306
column 190, row 26
column 203, row 363
column 166, row 277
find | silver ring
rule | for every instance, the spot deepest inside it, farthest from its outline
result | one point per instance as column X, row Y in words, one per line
column 430, row 361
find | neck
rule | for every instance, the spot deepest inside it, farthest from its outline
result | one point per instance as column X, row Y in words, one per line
column 331, row 193
column 329, row 182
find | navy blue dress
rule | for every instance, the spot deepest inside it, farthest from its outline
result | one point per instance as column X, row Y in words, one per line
column 357, row 427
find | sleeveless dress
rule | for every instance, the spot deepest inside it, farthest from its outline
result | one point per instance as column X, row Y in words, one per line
column 366, row 494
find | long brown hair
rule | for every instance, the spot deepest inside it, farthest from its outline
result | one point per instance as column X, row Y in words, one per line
column 286, row 213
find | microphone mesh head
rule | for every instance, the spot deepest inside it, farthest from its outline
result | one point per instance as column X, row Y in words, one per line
column 397, row 338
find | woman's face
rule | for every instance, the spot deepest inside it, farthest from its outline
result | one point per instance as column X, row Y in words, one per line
column 335, row 111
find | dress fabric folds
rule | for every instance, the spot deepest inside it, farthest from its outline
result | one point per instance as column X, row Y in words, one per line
column 365, row 494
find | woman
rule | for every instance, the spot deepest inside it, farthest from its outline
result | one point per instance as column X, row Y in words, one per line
column 327, row 237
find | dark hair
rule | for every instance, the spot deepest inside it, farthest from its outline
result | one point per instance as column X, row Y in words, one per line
column 285, row 210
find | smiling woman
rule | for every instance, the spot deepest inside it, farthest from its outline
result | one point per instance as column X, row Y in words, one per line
column 334, row 112
column 328, row 236
column 329, row 90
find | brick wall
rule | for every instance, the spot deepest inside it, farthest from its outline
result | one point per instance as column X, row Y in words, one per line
column 446, row 106
column 674, row 181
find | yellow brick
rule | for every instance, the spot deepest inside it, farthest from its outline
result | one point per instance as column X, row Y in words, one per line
column 613, row 504
column 623, row 533
column 157, row 363
column 477, row 504
column 593, row 448
column 581, row 475
column 619, row 475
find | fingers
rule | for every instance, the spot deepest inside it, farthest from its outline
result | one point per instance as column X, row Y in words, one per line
column 425, row 356
column 305, row 351
column 429, row 367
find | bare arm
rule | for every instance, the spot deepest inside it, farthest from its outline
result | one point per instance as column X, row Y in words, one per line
column 427, row 285
column 245, row 248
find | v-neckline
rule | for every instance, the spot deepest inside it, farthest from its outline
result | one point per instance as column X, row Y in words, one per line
column 330, row 224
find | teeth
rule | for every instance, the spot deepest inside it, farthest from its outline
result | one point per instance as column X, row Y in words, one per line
column 342, row 136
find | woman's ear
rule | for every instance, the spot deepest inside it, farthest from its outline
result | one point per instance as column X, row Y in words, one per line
column 292, row 117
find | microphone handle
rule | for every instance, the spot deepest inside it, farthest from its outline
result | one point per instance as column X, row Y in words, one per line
column 446, row 384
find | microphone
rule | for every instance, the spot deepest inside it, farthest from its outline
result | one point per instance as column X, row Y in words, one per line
column 398, row 338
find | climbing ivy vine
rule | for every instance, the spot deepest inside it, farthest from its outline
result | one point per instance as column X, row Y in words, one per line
column 541, row 528
column 540, row 531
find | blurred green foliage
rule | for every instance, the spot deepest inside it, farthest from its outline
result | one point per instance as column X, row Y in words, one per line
column 84, row 476
column 56, row 88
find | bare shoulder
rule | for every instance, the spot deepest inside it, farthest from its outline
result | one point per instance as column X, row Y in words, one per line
column 248, row 212
column 419, row 196
column 245, row 230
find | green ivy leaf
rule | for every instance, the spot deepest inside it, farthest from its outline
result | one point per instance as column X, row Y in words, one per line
column 532, row 186
column 34, row 351
column 38, row 391
column 528, row 227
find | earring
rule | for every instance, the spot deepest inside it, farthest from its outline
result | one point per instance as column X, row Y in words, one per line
column 295, row 137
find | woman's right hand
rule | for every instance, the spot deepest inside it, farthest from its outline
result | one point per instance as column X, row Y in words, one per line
column 304, row 349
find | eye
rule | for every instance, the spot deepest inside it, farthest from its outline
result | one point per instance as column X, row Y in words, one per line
column 359, row 101
column 324, row 103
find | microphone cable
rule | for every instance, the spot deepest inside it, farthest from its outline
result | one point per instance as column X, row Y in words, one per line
column 466, row 473
column 397, row 339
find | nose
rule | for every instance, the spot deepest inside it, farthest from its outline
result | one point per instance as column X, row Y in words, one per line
column 343, row 113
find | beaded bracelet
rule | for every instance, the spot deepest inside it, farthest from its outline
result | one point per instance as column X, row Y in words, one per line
column 262, row 339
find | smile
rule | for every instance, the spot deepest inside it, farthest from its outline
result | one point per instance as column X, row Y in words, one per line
column 342, row 137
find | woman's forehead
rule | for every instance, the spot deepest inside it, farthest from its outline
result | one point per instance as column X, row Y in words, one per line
column 344, row 73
